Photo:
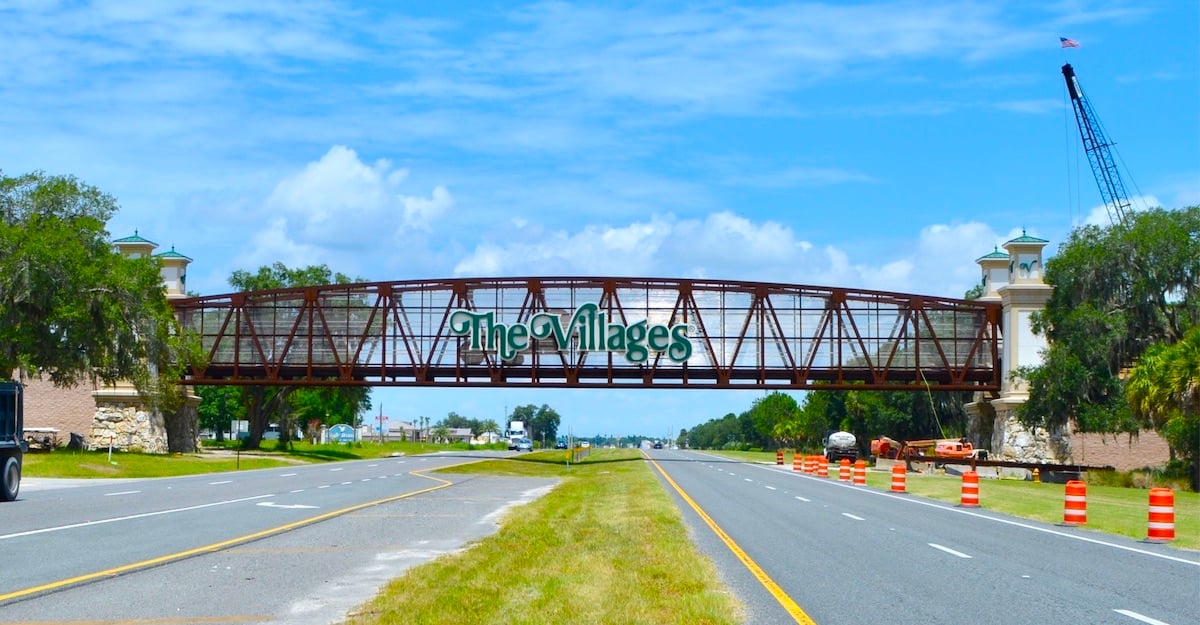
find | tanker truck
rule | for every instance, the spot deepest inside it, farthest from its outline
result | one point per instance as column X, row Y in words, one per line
column 840, row 445
column 12, row 445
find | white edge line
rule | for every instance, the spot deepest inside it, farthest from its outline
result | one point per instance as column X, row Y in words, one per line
column 286, row 474
column 1141, row 617
column 949, row 508
column 124, row 492
column 130, row 517
column 949, row 550
column 221, row 482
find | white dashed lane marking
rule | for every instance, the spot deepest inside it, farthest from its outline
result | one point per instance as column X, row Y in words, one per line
column 949, row 550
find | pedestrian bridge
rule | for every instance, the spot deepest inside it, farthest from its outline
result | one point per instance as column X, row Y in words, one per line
column 595, row 332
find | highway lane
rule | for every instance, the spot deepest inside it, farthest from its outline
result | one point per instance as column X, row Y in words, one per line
column 849, row 554
column 52, row 535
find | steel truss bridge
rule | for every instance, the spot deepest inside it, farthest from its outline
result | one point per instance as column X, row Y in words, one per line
column 750, row 335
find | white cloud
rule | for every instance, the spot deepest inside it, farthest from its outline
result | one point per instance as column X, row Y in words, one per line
column 724, row 245
column 271, row 244
column 1101, row 215
column 338, row 200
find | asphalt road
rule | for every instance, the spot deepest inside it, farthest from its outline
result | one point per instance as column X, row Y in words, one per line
column 850, row 555
column 212, row 548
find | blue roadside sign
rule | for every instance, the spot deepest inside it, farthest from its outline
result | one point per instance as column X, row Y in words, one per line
column 341, row 433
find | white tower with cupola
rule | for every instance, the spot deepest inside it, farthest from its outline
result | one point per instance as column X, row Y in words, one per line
column 121, row 419
column 1015, row 278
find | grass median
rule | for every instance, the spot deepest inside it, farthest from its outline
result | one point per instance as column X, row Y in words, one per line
column 607, row 545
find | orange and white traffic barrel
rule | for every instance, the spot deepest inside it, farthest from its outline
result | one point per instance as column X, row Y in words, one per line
column 860, row 473
column 1161, row 525
column 810, row 464
column 970, row 490
column 1075, row 503
column 778, row 456
column 898, row 478
column 797, row 463
column 844, row 470
column 822, row 466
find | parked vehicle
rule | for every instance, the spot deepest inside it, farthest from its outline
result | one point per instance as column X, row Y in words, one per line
column 12, row 443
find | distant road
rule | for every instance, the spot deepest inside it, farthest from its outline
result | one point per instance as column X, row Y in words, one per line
column 849, row 555
column 211, row 548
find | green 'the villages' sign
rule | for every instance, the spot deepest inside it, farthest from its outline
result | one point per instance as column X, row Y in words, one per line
column 595, row 334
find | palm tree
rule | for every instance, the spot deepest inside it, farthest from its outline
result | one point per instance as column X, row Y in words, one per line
column 1164, row 389
column 491, row 427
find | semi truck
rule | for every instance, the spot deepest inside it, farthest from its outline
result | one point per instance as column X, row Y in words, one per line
column 12, row 442
column 514, row 434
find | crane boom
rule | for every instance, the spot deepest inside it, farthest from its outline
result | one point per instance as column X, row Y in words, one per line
column 1096, row 145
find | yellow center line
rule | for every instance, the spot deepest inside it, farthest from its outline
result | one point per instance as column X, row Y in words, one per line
column 792, row 608
column 126, row 568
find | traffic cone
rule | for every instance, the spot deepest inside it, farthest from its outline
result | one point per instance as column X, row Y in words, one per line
column 844, row 470
column 898, row 478
column 860, row 473
column 1075, row 503
column 1161, row 522
column 822, row 466
column 970, row 490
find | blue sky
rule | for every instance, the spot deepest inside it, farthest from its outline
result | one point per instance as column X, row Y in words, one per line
column 880, row 145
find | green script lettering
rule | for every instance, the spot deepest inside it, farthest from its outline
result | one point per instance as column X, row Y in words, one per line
column 588, row 324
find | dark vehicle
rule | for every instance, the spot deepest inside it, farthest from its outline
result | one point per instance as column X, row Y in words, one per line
column 560, row 445
column 12, row 446
column 657, row 445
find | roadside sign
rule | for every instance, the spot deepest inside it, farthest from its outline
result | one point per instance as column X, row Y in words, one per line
column 341, row 433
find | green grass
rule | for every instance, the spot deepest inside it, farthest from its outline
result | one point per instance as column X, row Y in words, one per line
column 95, row 464
column 607, row 545
column 62, row 463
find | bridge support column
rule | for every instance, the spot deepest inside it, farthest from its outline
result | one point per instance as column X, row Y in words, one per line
column 123, row 421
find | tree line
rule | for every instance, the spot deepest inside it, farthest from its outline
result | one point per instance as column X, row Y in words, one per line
column 777, row 420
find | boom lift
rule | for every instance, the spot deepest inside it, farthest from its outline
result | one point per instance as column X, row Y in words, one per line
column 1096, row 145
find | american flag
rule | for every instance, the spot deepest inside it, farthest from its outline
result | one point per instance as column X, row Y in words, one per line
column 1068, row 43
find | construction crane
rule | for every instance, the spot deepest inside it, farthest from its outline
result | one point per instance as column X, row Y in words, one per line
column 1096, row 145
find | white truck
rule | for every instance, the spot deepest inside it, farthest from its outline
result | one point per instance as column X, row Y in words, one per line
column 516, row 432
column 840, row 445
column 12, row 445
